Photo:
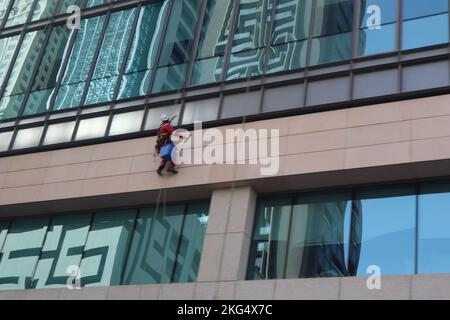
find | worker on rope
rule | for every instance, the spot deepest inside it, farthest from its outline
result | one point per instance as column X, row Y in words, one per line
column 164, row 145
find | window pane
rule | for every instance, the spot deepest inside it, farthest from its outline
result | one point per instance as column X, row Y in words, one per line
column 28, row 138
column 287, row 56
column 387, row 8
column 48, row 70
column 4, row 225
column 191, row 243
column 292, row 21
column 111, row 57
column 154, row 247
column 141, row 60
column 180, row 32
column 420, row 8
column 106, row 247
column 80, row 61
column 251, row 25
column 63, row 247
column 19, row 12
column 67, row 3
column 26, row 60
column 270, row 239
column 434, row 231
column 213, row 38
column 373, row 41
column 246, row 64
column 5, row 139
column 169, row 78
column 388, row 230
column 333, row 16
column 44, row 9
column 318, row 236
column 425, row 31
column 59, row 133
column 126, row 123
column 21, row 252
column 92, row 128
column 207, row 70
column 331, row 49
column 201, row 110
column 7, row 49
column 153, row 117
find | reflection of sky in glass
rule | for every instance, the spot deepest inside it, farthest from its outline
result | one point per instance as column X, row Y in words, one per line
column 388, row 11
column 434, row 233
column 425, row 32
column 421, row 8
column 388, row 235
column 378, row 40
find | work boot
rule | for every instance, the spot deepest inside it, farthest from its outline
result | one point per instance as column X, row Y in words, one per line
column 160, row 171
column 172, row 170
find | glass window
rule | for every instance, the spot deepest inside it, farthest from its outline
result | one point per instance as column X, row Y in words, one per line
column 20, row 253
column 246, row 64
column 426, row 31
column 19, row 12
column 21, row 73
column 67, row 3
column 270, row 239
column 419, row 8
column 5, row 140
column 59, row 133
column 332, row 34
column 48, row 70
column 213, row 40
column 81, row 58
column 177, row 47
column 126, row 123
column 155, row 245
column 106, row 248
column 92, row 128
column 201, row 110
column 3, row 8
column 62, row 251
column 153, row 117
column 28, row 138
column 191, row 243
column 434, row 231
column 110, row 59
column 44, row 9
column 291, row 27
column 7, row 48
column 377, row 40
column 141, row 59
column 4, row 225
column 387, row 230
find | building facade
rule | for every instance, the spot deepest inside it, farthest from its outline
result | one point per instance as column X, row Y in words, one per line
column 359, row 91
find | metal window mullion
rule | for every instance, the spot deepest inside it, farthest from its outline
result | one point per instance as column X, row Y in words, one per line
column 355, row 43
column 28, row 90
column 399, row 46
column 91, row 223
column 7, row 12
column 127, row 53
column 196, row 42
column 33, row 273
column 193, row 57
column 309, row 52
column 127, row 252
column 417, row 220
column 180, row 239
column 159, row 51
column 64, row 66
column 30, row 14
column 230, row 38
column 288, row 242
column 269, row 38
column 227, row 53
column 94, row 59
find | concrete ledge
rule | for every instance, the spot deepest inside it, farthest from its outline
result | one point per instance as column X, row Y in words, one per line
column 418, row 287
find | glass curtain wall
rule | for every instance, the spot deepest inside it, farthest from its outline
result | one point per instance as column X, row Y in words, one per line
column 139, row 246
column 400, row 229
